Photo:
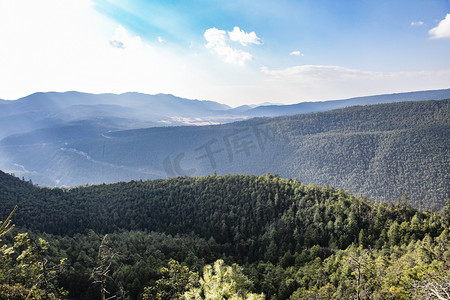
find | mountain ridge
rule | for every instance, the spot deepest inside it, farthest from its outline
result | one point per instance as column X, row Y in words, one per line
column 318, row 106
column 381, row 151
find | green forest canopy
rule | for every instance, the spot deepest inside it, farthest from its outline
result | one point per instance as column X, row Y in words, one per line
column 289, row 240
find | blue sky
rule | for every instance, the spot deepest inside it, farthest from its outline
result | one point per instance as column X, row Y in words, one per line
column 234, row 52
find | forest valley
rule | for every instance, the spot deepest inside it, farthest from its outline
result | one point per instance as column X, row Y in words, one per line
column 217, row 237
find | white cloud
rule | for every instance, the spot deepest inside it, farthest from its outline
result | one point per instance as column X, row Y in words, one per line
column 315, row 72
column 218, row 41
column 215, row 38
column 160, row 39
column 417, row 23
column 233, row 56
column 325, row 82
column 442, row 30
column 65, row 45
column 238, row 35
column 297, row 53
column 61, row 45
column 122, row 37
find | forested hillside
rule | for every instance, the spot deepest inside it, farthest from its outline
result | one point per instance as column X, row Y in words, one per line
column 291, row 240
column 381, row 151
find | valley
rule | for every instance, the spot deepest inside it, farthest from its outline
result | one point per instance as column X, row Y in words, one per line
column 382, row 151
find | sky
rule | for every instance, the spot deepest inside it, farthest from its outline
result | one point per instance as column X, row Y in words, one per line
column 231, row 51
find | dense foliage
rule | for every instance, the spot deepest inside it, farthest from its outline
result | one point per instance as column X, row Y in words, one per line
column 277, row 236
column 245, row 213
column 381, row 151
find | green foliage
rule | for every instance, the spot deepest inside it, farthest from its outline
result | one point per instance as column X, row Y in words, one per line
column 176, row 279
column 235, row 211
column 397, row 272
column 18, row 292
column 23, row 267
column 138, row 258
column 5, row 226
column 283, row 239
column 221, row 282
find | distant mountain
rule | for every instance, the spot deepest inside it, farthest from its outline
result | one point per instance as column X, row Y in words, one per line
column 53, row 101
column 308, row 107
column 124, row 111
column 136, row 110
column 381, row 151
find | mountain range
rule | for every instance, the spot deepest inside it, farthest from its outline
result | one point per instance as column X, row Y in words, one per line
column 383, row 151
column 136, row 110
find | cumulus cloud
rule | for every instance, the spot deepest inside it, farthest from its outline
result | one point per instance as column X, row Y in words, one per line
column 67, row 45
column 297, row 53
column 125, row 40
column 417, row 23
column 234, row 56
column 238, row 35
column 218, row 41
column 215, row 38
column 442, row 30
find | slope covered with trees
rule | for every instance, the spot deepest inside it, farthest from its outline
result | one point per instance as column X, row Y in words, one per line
column 380, row 151
column 281, row 238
